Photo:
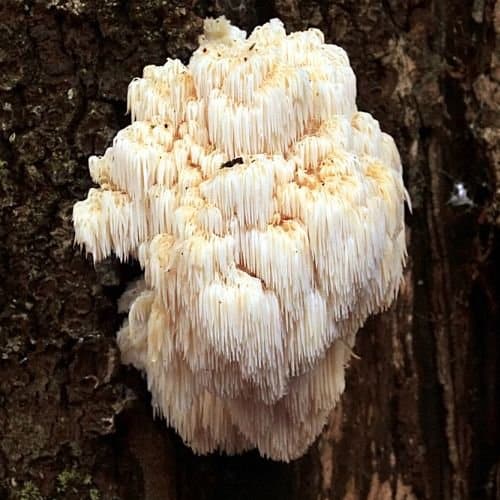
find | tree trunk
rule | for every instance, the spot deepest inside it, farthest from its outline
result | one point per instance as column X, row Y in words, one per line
column 419, row 417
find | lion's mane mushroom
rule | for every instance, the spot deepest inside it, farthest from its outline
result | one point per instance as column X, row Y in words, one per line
column 267, row 214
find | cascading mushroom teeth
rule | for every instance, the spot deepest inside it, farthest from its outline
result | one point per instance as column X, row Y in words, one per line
column 268, row 216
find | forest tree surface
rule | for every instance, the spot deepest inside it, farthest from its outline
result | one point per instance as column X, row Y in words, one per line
column 420, row 414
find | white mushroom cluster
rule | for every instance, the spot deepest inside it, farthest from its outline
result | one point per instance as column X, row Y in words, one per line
column 268, row 216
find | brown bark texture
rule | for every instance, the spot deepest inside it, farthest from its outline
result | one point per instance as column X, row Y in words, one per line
column 420, row 415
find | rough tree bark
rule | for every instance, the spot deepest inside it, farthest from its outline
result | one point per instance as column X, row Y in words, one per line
column 419, row 418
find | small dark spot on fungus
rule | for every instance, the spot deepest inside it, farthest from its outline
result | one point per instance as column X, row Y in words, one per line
column 232, row 163
column 251, row 46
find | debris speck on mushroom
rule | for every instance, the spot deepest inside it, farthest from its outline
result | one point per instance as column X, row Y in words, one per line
column 258, row 276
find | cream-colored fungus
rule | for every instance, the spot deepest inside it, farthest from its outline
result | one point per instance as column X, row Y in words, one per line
column 268, row 216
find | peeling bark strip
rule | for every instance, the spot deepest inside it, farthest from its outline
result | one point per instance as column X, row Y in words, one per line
column 419, row 418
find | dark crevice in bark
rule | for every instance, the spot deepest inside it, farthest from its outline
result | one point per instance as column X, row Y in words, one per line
column 265, row 11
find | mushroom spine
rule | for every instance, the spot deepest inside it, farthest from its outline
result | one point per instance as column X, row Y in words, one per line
column 268, row 215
